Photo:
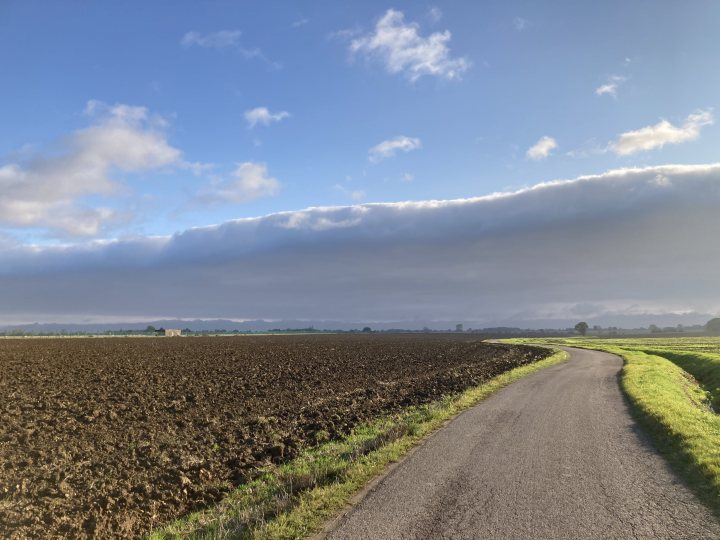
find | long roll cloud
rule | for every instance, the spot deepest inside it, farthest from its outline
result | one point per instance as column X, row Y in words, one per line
column 626, row 241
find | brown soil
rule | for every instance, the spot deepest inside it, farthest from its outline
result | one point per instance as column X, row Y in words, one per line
column 113, row 437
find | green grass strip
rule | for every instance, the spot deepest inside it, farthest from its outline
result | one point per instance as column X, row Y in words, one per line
column 705, row 367
column 674, row 409
column 295, row 499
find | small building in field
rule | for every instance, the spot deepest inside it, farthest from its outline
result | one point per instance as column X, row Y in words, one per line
column 172, row 332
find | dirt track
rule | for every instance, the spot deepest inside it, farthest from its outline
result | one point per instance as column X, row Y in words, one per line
column 110, row 437
column 554, row 455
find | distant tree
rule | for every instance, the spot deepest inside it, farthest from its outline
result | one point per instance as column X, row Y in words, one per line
column 367, row 329
column 581, row 328
column 654, row 329
column 150, row 329
column 713, row 326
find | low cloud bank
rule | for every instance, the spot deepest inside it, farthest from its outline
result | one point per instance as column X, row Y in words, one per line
column 626, row 241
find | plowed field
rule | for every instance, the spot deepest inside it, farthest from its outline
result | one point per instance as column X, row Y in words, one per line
column 112, row 437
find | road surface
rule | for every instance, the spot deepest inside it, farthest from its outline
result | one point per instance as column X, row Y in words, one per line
column 554, row 455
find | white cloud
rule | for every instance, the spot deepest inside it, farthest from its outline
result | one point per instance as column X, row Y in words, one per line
column 226, row 39
column 520, row 24
column 542, row 148
column 198, row 168
column 302, row 21
column 662, row 133
column 434, row 14
column 263, row 116
column 610, row 88
column 589, row 148
column 345, row 33
column 389, row 147
column 46, row 191
column 403, row 50
column 213, row 40
column 354, row 194
column 556, row 250
column 249, row 181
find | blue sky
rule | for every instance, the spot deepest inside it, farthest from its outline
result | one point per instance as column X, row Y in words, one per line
column 132, row 120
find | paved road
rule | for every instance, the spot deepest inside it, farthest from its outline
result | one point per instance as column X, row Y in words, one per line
column 554, row 455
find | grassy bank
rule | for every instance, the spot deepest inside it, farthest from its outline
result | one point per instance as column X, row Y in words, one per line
column 705, row 367
column 295, row 499
column 673, row 386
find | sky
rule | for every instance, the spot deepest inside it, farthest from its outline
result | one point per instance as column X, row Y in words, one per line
column 490, row 162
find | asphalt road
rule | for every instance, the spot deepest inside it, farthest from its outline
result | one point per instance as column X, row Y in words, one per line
column 554, row 455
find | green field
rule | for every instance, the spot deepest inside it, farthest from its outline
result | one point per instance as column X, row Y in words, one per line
column 709, row 345
column 673, row 387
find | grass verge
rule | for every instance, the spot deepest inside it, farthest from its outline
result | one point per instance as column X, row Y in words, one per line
column 678, row 414
column 674, row 396
column 297, row 498
column 705, row 367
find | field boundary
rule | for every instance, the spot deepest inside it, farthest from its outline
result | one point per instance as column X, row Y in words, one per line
column 298, row 498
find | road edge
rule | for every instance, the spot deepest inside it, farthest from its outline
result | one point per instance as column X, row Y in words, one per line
column 309, row 511
column 559, row 357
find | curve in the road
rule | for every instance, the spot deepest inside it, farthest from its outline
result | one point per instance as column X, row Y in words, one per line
column 554, row 455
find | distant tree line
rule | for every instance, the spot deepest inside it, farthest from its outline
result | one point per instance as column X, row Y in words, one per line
column 713, row 326
column 582, row 328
